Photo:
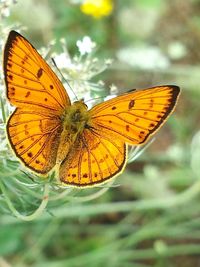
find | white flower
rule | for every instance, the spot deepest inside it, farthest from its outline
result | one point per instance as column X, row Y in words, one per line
column 63, row 61
column 113, row 89
column 86, row 45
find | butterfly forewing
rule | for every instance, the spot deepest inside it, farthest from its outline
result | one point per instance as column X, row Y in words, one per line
column 133, row 117
column 29, row 80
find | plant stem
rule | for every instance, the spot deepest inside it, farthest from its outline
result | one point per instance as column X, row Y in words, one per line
column 36, row 213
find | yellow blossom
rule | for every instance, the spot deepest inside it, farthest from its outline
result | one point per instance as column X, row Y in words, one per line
column 97, row 8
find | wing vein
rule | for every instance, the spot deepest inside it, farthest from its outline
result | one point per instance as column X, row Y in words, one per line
column 13, row 52
column 26, row 87
column 28, row 54
column 116, row 163
column 27, row 121
column 117, row 132
column 35, row 104
column 43, row 146
column 25, row 68
column 45, row 116
column 124, row 112
column 105, row 137
column 89, row 158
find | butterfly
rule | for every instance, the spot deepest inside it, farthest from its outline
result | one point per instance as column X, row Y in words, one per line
column 86, row 147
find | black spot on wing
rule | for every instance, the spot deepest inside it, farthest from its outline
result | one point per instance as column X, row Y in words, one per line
column 40, row 72
column 131, row 104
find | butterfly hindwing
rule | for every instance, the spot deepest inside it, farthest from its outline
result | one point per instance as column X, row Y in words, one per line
column 35, row 138
column 95, row 158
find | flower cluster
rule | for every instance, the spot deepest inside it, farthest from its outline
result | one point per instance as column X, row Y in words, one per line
column 5, row 7
column 80, row 69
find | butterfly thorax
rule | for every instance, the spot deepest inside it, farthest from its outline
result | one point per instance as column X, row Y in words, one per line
column 74, row 120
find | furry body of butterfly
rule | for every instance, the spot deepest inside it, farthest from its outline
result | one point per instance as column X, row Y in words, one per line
column 86, row 147
column 74, row 120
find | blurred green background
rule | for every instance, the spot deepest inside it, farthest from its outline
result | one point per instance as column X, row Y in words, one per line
column 152, row 216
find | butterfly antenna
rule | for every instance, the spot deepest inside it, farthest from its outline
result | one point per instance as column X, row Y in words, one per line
column 53, row 60
column 95, row 98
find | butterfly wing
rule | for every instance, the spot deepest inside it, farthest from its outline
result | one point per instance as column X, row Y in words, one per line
column 135, row 116
column 94, row 159
column 40, row 99
column 100, row 152
column 29, row 80
column 34, row 137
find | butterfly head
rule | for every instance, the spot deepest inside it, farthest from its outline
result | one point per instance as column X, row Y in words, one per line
column 81, row 104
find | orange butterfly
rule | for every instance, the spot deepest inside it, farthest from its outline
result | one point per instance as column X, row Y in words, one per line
column 86, row 147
